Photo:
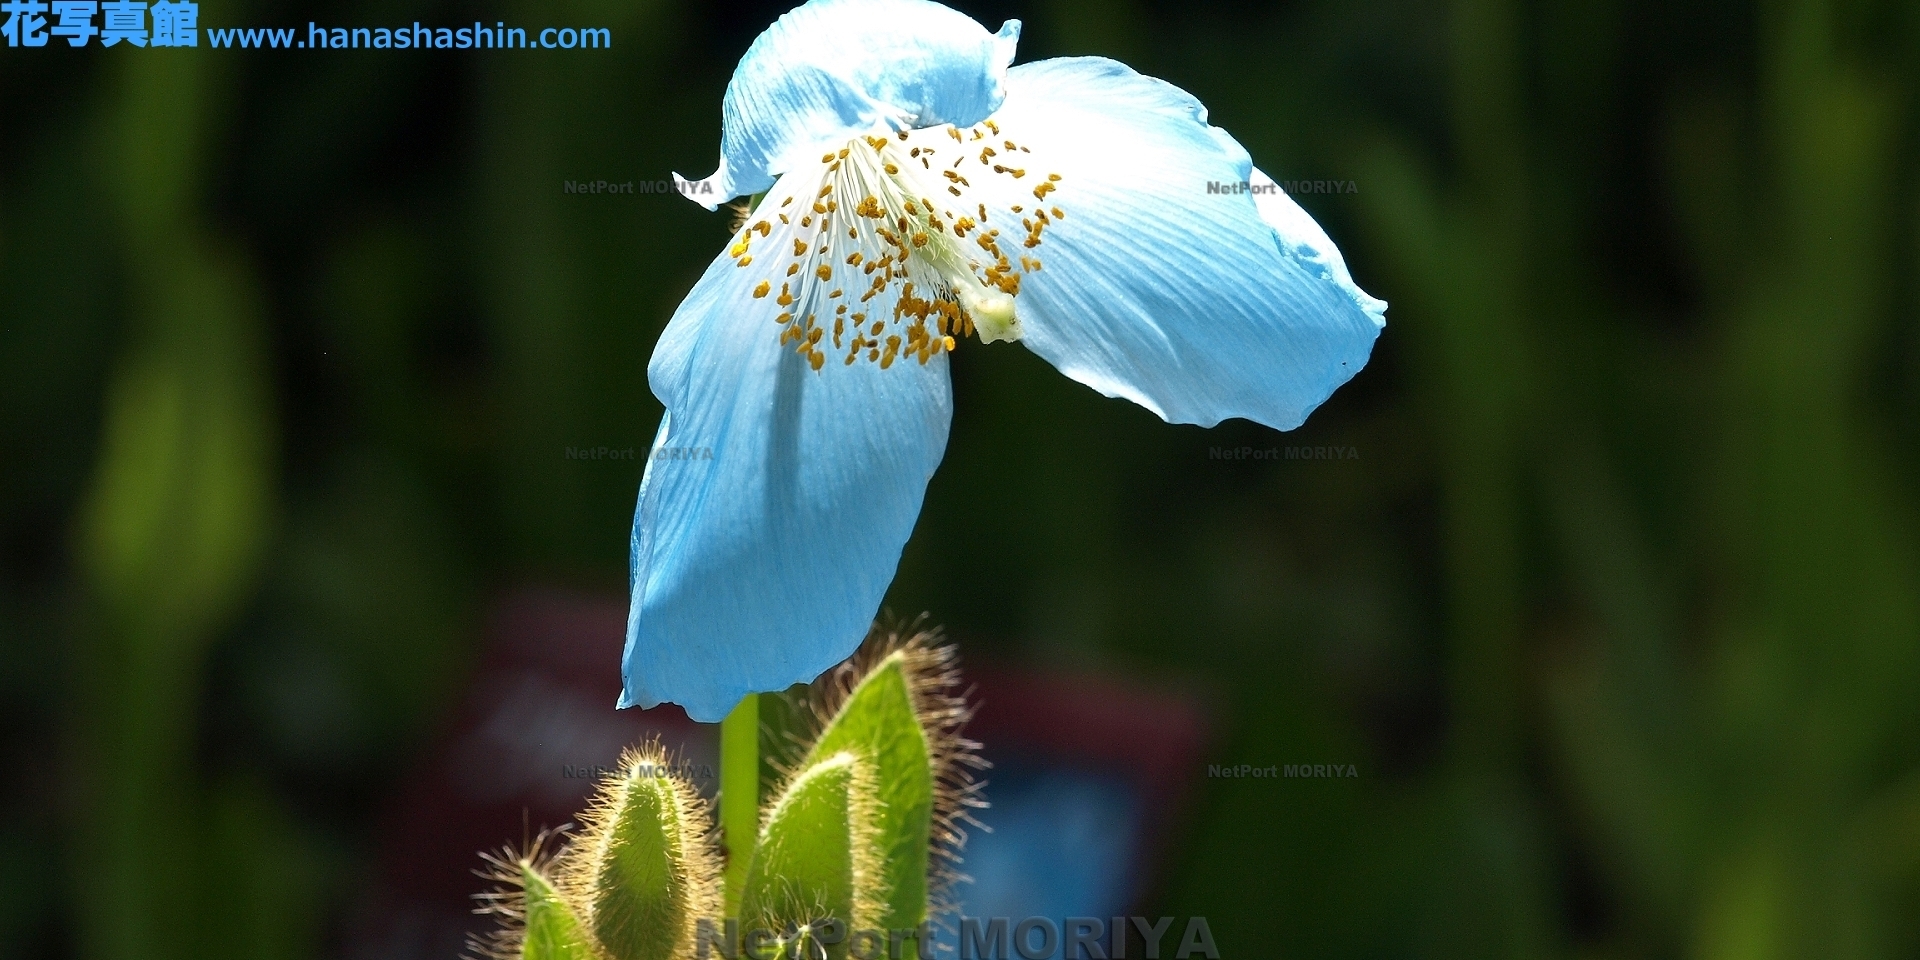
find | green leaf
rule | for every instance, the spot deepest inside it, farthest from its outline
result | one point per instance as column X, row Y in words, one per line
column 553, row 932
column 818, row 857
column 878, row 721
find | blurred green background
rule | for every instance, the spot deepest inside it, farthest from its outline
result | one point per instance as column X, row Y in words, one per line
column 1616, row 610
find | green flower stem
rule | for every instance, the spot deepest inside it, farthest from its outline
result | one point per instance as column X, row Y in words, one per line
column 740, row 792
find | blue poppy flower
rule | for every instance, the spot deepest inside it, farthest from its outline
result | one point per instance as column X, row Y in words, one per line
column 920, row 192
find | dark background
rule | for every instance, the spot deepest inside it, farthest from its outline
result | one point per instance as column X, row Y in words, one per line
column 1616, row 610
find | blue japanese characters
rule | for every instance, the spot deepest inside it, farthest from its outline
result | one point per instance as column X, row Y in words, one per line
column 168, row 23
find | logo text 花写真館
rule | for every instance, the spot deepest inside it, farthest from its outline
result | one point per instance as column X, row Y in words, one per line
column 166, row 23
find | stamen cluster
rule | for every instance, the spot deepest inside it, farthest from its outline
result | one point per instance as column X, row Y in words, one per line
column 946, row 267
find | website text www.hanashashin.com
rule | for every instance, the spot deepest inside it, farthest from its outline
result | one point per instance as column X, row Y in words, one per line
column 415, row 37
column 131, row 24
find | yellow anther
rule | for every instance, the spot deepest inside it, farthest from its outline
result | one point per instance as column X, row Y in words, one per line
column 762, row 290
column 744, row 261
column 911, row 235
column 738, row 249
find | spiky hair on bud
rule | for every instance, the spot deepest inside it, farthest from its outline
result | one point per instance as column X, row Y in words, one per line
column 644, row 868
column 522, row 880
column 820, row 855
column 931, row 669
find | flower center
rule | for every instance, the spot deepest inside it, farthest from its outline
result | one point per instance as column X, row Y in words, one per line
column 901, row 210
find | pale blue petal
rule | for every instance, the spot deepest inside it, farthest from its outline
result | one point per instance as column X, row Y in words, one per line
column 1301, row 237
column 1163, row 283
column 832, row 70
column 775, row 502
